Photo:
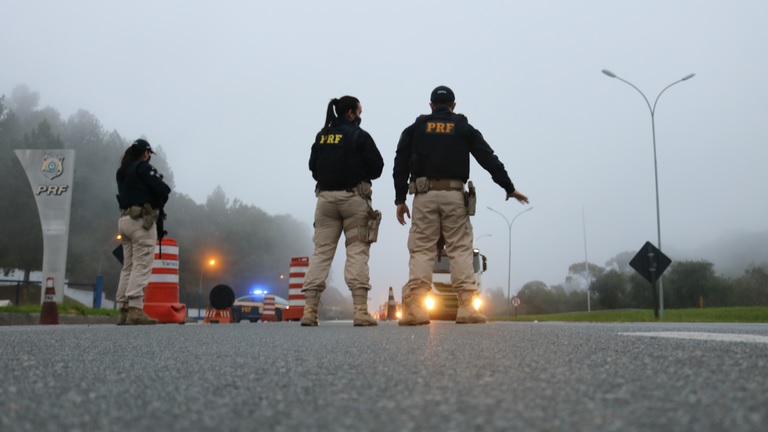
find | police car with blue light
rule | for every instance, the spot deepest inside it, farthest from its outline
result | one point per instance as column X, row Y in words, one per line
column 251, row 307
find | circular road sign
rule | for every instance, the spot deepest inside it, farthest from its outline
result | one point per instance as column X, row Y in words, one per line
column 516, row 301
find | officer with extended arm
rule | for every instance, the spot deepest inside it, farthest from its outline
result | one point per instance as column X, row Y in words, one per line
column 432, row 163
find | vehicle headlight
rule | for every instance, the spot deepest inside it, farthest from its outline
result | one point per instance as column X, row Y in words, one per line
column 429, row 303
column 476, row 302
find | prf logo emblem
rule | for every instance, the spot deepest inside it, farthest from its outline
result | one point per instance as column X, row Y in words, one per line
column 330, row 139
column 435, row 127
column 52, row 166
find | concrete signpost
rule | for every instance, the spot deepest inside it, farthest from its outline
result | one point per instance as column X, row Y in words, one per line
column 50, row 173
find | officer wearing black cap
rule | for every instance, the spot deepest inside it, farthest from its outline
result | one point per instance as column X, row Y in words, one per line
column 432, row 162
column 141, row 194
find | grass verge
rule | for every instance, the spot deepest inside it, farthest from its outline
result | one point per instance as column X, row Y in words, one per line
column 64, row 309
column 720, row 315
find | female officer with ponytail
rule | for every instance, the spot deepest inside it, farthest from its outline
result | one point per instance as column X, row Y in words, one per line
column 141, row 193
column 344, row 160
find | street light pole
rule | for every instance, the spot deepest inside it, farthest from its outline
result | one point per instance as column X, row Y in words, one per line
column 200, row 287
column 200, row 291
column 586, row 259
column 482, row 236
column 655, row 164
column 509, row 252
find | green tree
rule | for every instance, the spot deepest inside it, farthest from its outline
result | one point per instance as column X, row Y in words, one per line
column 621, row 262
column 24, row 101
column 537, row 298
column 610, row 290
column 751, row 289
column 687, row 281
column 640, row 293
column 24, row 104
column 94, row 212
column 578, row 272
column 575, row 301
column 595, row 271
column 18, row 211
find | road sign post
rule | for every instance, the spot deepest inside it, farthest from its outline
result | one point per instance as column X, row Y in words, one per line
column 650, row 262
column 516, row 303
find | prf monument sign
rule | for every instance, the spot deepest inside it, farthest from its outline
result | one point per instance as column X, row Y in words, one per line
column 50, row 173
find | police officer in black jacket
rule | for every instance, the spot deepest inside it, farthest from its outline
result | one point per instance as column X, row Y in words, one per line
column 432, row 162
column 344, row 160
column 142, row 193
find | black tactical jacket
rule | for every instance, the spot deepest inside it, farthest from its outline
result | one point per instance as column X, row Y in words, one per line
column 438, row 146
column 142, row 185
column 343, row 156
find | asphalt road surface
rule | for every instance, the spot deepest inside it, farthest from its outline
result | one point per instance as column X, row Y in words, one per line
column 441, row 377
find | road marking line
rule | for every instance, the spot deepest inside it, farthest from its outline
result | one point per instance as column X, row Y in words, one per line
column 720, row 337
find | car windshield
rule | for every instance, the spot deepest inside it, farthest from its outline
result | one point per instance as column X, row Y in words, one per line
column 259, row 298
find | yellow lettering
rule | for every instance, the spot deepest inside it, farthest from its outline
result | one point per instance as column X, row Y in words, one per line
column 330, row 139
column 440, row 127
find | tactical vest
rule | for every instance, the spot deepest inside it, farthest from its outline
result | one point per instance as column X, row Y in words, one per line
column 338, row 165
column 439, row 149
column 132, row 191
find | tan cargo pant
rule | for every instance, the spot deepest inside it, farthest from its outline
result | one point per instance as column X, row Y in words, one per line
column 334, row 210
column 433, row 212
column 138, row 256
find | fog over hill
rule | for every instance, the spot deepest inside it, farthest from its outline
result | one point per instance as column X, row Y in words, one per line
column 732, row 253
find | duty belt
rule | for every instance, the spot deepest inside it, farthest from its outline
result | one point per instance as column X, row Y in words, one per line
column 139, row 210
column 445, row 184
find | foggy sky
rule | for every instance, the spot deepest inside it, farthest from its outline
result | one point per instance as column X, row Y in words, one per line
column 234, row 93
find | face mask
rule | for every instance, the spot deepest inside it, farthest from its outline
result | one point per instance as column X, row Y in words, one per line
column 358, row 120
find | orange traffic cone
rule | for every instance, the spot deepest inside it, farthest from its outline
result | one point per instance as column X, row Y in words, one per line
column 49, row 311
column 391, row 307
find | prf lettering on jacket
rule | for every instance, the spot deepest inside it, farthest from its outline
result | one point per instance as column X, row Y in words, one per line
column 440, row 127
column 330, row 139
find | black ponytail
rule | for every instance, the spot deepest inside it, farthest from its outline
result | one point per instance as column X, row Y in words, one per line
column 338, row 108
column 131, row 154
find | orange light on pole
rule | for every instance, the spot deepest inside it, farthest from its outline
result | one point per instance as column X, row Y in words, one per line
column 211, row 263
